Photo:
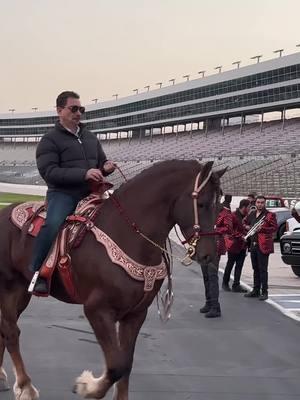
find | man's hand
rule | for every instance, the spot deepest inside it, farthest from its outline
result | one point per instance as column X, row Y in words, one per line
column 94, row 174
column 109, row 166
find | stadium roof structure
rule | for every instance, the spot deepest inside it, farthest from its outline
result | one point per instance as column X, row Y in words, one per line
column 272, row 85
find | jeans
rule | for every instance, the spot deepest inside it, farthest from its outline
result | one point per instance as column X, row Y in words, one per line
column 59, row 206
column 260, row 269
column 211, row 283
column 237, row 259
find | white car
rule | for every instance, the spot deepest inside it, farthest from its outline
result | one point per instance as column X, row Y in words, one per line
column 291, row 225
column 290, row 245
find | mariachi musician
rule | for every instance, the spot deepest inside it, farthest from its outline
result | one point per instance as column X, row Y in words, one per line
column 212, row 308
column 261, row 225
column 236, row 248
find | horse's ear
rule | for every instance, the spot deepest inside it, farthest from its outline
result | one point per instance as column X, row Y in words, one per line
column 205, row 170
column 221, row 172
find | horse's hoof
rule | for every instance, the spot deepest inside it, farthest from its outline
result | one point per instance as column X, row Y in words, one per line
column 4, row 385
column 28, row 392
column 89, row 387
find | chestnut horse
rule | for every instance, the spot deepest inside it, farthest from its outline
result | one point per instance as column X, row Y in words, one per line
column 115, row 304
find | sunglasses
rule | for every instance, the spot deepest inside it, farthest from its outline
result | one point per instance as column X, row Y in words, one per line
column 74, row 109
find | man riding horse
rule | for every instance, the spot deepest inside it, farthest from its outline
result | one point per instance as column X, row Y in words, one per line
column 68, row 158
column 136, row 221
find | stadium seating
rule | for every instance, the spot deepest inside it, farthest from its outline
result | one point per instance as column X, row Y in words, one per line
column 261, row 158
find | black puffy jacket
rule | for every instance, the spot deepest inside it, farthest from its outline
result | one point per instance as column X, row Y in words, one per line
column 64, row 159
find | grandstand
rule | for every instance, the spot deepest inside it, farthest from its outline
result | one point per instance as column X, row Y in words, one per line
column 139, row 130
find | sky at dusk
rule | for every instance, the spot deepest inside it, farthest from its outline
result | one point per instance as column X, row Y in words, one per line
column 102, row 47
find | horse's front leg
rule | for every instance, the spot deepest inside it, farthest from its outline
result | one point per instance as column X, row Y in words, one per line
column 13, row 301
column 129, row 329
column 3, row 376
column 104, row 326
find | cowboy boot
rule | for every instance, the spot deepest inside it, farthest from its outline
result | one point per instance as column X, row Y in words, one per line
column 253, row 293
column 214, row 312
column 205, row 308
column 263, row 296
column 226, row 287
column 238, row 289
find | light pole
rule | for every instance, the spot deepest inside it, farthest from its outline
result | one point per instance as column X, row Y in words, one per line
column 172, row 80
column 202, row 73
column 258, row 57
column 279, row 51
column 159, row 84
column 219, row 68
column 237, row 63
column 12, row 110
column 95, row 100
column 136, row 91
column 34, row 108
column 187, row 77
column 147, row 87
column 115, row 95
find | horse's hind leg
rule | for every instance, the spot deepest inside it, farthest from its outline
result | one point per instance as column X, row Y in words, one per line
column 14, row 299
column 128, row 331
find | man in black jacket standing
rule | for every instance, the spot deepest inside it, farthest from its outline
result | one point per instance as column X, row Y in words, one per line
column 68, row 158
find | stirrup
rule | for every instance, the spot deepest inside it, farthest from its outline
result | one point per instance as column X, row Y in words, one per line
column 33, row 282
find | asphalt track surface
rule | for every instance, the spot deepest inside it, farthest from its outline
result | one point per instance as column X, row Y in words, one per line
column 251, row 353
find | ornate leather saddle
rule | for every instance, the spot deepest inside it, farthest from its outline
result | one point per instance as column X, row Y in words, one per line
column 30, row 217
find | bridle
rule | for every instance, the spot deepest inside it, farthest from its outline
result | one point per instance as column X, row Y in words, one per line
column 193, row 239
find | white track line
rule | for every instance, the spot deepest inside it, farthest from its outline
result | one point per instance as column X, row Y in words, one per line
column 284, row 295
column 283, row 310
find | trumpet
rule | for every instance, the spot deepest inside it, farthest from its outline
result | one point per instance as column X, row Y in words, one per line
column 254, row 228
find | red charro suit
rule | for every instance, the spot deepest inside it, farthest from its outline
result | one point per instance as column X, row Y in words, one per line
column 235, row 242
column 265, row 235
column 223, row 227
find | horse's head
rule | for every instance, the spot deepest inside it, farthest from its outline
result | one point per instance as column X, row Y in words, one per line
column 196, row 209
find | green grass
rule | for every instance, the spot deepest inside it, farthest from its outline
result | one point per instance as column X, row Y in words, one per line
column 17, row 198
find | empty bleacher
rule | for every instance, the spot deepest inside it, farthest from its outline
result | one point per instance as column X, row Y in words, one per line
column 261, row 158
column 270, row 140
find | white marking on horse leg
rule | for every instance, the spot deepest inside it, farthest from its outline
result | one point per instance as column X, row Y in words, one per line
column 88, row 386
column 117, row 394
column 3, row 380
column 28, row 392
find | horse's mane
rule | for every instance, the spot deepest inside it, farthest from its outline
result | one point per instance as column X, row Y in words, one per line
column 161, row 167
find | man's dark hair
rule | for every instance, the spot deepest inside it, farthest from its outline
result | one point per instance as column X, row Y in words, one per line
column 252, row 195
column 62, row 98
column 260, row 197
column 244, row 203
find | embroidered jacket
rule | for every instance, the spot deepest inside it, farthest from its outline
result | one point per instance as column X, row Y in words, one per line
column 223, row 227
column 264, row 237
column 235, row 242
